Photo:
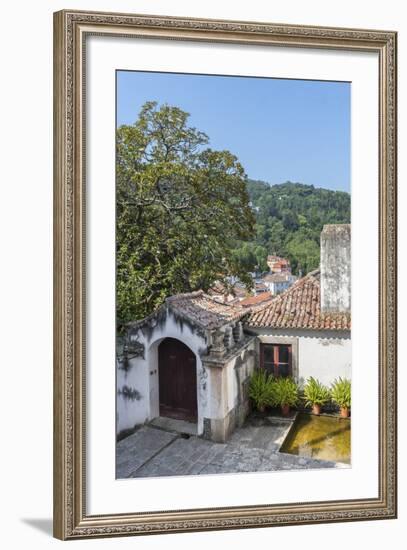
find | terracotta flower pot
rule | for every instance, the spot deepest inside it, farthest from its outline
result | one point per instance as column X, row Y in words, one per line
column 344, row 412
column 285, row 409
column 316, row 409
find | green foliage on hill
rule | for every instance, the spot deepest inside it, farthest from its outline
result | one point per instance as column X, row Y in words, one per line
column 289, row 220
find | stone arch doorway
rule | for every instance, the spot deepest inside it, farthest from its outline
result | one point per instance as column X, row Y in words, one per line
column 177, row 380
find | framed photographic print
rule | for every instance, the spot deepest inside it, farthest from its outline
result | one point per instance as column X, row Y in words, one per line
column 225, row 274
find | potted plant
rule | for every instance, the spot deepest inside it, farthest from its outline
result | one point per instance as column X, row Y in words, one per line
column 260, row 389
column 284, row 394
column 341, row 395
column 316, row 395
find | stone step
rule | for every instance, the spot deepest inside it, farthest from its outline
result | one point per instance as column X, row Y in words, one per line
column 174, row 425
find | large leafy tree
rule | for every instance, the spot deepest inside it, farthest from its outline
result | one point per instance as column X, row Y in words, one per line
column 181, row 207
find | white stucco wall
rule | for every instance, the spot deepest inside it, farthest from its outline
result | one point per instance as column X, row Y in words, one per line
column 130, row 412
column 325, row 355
column 245, row 370
column 142, row 374
column 223, row 382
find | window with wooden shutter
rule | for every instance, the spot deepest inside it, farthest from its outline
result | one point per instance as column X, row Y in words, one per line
column 276, row 359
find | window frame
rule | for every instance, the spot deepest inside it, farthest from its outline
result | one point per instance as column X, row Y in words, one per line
column 276, row 354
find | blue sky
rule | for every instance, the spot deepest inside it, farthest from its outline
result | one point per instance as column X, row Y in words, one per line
column 280, row 130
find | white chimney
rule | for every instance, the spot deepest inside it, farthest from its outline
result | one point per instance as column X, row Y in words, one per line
column 336, row 268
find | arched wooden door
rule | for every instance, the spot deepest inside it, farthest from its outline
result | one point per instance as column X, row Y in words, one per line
column 177, row 380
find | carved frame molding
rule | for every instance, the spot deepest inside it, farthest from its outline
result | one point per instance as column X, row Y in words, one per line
column 70, row 518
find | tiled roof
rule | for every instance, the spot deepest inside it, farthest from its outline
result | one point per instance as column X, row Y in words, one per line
column 277, row 277
column 236, row 290
column 298, row 307
column 204, row 311
column 274, row 258
column 260, row 286
column 255, row 300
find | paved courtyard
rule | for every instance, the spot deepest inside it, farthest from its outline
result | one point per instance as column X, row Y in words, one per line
column 153, row 451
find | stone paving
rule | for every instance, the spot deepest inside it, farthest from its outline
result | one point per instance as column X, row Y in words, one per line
column 154, row 452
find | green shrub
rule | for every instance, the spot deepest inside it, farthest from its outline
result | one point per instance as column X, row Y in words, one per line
column 261, row 388
column 284, row 392
column 341, row 392
column 315, row 393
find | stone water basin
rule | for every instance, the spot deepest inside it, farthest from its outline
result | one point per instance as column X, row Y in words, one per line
column 324, row 437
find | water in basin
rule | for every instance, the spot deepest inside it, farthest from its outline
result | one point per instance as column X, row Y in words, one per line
column 323, row 437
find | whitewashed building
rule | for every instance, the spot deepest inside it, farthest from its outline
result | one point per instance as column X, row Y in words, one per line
column 277, row 283
column 189, row 360
column 306, row 330
column 192, row 359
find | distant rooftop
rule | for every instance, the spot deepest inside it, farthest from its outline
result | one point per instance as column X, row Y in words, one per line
column 255, row 300
column 259, row 285
column 274, row 258
column 276, row 277
column 237, row 290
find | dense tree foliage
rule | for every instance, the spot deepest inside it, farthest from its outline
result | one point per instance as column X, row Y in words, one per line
column 181, row 208
column 289, row 220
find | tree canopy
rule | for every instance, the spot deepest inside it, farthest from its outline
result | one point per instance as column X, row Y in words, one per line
column 181, row 209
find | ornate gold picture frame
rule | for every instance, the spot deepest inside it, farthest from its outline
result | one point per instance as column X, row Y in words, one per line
column 71, row 519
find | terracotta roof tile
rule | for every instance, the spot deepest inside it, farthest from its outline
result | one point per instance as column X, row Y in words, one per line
column 204, row 311
column 276, row 277
column 298, row 307
column 235, row 290
column 255, row 300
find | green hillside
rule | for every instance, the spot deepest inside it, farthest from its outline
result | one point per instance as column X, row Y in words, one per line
column 289, row 220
